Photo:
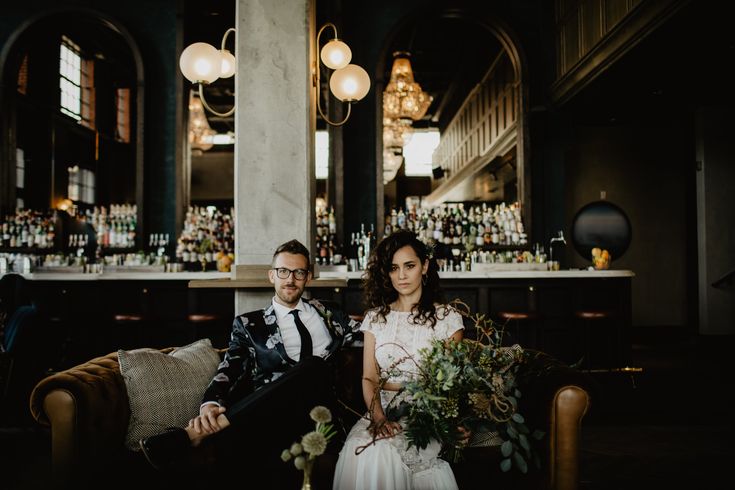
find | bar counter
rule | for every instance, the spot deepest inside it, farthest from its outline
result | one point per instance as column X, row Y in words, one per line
column 558, row 304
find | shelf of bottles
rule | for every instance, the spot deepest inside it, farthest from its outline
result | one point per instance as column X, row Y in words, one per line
column 328, row 249
column 115, row 228
column 28, row 230
column 460, row 235
column 207, row 241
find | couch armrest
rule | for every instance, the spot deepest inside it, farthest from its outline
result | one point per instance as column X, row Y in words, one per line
column 556, row 398
column 87, row 409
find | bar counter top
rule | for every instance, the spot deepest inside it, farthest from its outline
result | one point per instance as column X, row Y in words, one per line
column 326, row 279
column 125, row 276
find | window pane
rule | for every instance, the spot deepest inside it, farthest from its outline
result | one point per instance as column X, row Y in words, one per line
column 322, row 154
column 419, row 151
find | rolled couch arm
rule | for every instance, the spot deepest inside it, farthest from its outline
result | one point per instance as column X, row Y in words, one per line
column 556, row 397
column 87, row 410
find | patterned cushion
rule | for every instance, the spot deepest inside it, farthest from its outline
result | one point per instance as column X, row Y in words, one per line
column 485, row 439
column 165, row 390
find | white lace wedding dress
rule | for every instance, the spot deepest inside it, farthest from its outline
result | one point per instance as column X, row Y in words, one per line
column 389, row 464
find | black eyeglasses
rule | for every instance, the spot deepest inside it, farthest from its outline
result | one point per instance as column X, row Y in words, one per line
column 298, row 274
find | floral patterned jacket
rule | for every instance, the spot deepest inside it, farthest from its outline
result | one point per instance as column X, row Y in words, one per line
column 256, row 354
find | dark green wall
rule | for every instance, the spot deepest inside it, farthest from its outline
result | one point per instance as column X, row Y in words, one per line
column 154, row 27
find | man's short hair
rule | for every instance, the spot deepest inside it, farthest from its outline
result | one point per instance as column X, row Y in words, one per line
column 293, row 247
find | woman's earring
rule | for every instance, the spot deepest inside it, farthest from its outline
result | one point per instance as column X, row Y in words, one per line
column 424, row 279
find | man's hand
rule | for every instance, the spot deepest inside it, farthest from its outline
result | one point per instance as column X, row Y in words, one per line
column 206, row 422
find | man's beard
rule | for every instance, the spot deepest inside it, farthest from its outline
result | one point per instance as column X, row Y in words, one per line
column 289, row 295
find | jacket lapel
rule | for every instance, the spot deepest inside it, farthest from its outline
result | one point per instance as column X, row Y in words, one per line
column 274, row 333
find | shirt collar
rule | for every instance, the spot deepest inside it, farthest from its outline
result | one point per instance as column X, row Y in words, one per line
column 282, row 311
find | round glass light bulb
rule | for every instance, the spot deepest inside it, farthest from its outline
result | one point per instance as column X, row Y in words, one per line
column 201, row 62
column 336, row 54
column 229, row 65
column 350, row 84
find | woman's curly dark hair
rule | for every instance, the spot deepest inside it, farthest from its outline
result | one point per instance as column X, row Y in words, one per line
column 378, row 289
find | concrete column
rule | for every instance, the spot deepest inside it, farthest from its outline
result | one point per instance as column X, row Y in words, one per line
column 274, row 124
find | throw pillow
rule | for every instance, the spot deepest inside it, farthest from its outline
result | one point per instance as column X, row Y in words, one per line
column 165, row 390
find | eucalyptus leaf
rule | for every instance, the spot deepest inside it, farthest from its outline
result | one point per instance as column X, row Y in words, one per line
column 538, row 434
column 520, row 462
column 512, row 432
column 518, row 418
column 506, row 448
column 523, row 441
column 505, row 465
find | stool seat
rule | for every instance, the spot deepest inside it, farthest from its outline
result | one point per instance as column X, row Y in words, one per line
column 198, row 318
column 592, row 314
column 123, row 317
column 517, row 315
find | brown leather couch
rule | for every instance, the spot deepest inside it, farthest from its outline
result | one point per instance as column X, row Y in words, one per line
column 86, row 408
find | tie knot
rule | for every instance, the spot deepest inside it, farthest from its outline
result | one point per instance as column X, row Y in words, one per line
column 294, row 312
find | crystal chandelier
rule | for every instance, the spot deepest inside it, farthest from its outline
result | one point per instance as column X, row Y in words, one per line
column 403, row 98
column 396, row 132
column 200, row 134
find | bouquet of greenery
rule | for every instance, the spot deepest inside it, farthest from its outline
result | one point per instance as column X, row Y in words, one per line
column 469, row 384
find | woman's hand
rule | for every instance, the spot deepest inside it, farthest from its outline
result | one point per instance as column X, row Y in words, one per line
column 383, row 428
column 465, row 435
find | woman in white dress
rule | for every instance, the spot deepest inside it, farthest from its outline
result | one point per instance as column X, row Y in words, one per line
column 401, row 288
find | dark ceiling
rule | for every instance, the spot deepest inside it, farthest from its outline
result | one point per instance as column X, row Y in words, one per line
column 448, row 56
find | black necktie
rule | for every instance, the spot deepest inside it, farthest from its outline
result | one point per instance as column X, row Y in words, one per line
column 306, row 348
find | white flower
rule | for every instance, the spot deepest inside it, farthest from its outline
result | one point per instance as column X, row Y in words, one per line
column 221, row 378
column 273, row 340
column 299, row 462
column 314, row 443
column 296, row 449
column 320, row 414
column 223, row 364
column 270, row 319
column 285, row 455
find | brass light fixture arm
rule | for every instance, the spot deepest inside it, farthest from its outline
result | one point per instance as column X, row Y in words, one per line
column 224, row 37
column 316, row 79
column 201, row 88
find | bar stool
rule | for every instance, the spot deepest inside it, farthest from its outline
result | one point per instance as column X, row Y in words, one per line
column 522, row 327
column 203, row 326
column 592, row 334
column 129, row 329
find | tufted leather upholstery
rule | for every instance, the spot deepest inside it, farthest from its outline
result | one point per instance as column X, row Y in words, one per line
column 87, row 410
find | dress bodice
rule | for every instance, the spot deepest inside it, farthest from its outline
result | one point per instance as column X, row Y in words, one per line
column 398, row 340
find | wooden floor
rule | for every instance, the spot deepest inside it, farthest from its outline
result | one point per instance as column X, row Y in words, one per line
column 669, row 427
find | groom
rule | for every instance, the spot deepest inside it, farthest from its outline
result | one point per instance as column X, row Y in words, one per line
column 275, row 370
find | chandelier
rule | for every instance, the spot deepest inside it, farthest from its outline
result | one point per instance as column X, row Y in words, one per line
column 403, row 98
column 396, row 132
column 200, row 134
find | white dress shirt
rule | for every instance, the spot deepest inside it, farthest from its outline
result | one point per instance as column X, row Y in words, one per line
column 320, row 338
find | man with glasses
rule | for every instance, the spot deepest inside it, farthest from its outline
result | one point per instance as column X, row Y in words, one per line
column 274, row 371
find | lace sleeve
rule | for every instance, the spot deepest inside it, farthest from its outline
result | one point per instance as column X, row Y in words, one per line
column 367, row 322
column 449, row 324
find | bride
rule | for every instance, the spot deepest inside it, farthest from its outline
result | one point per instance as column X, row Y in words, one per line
column 402, row 289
